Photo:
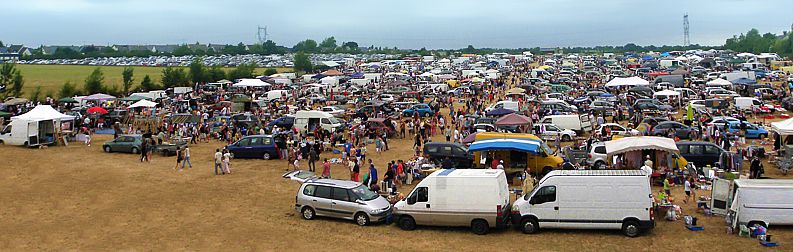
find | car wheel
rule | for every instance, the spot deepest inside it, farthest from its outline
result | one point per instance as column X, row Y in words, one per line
column 407, row 223
column 135, row 150
column 479, row 227
column 630, row 228
column 426, row 114
column 266, row 156
column 529, row 226
column 308, row 213
column 566, row 138
column 599, row 165
column 362, row 219
column 107, row 149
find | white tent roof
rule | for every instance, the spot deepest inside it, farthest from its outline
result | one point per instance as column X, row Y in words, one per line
column 627, row 144
column 784, row 128
column 718, row 81
column 631, row 81
column 43, row 112
column 143, row 103
column 666, row 93
column 426, row 74
column 251, row 83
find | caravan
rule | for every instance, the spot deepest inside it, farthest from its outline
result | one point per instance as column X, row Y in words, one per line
column 310, row 120
column 754, row 201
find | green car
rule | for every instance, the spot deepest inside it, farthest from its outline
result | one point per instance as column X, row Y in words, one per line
column 124, row 143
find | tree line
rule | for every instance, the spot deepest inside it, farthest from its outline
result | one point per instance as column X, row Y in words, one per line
column 755, row 43
column 12, row 81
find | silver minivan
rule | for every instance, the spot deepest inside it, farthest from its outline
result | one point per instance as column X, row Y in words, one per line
column 341, row 199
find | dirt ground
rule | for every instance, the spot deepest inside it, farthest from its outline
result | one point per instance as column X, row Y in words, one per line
column 79, row 198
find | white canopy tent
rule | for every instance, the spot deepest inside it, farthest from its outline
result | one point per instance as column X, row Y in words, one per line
column 783, row 128
column 719, row 82
column 630, row 81
column 666, row 93
column 143, row 104
column 632, row 148
column 251, row 83
column 43, row 112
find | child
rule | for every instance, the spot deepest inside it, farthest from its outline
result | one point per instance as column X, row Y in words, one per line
column 379, row 145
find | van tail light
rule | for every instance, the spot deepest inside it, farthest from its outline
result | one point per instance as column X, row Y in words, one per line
column 499, row 213
column 652, row 214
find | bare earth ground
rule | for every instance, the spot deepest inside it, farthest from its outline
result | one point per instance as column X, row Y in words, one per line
column 79, row 198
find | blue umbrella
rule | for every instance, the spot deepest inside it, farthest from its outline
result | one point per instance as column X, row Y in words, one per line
column 606, row 95
column 356, row 75
column 580, row 99
column 647, row 57
column 500, row 112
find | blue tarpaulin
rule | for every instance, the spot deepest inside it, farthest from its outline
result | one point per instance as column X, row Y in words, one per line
column 357, row 75
column 526, row 145
column 743, row 81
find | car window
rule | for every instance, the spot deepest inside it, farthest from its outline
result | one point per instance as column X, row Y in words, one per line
column 341, row 194
column 551, row 128
column 245, row 142
column 431, row 149
column 545, row 194
column 446, row 150
column 422, row 194
column 266, row 141
column 600, row 149
column 710, row 149
column 254, row 141
column 309, row 190
column 683, row 149
column 7, row 129
column 696, row 149
column 459, row 151
column 325, row 121
column 322, row 192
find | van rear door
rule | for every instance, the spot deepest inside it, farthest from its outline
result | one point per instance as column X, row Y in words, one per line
column 720, row 196
column 32, row 134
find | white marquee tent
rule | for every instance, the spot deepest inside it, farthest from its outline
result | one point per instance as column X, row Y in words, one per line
column 630, row 81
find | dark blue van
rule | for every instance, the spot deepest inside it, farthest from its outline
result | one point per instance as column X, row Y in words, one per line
column 256, row 146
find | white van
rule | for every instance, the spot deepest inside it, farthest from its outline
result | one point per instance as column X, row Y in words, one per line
column 593, row 199
column 511, row 105
column 754, row 201
column 476, row 198
column 28, row 132
column 747, row 103
column 309, row 120
column 275, row 95
column 578, row 123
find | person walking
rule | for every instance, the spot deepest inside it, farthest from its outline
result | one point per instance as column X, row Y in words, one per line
column 687, row 188
column 326, row 169
column 227, row 161
column 372, row 175
column 179, row 157
column 219, row 162
column 312, row 160
column 186, row 158
column 355, row 169
column 144, row 145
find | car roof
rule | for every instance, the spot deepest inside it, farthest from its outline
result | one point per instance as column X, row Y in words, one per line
column 670, row 122
column 258, row 136
column 347, row 184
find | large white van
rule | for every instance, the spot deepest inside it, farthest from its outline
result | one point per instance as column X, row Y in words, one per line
column 747, row 103
column 309, row 120
column 578, row 123
column 511, row 105
column 275, row 94
column 754, row 201
column 593, row 199
column 476, row 198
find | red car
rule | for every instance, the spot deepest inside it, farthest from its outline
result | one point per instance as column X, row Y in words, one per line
column 378, row 124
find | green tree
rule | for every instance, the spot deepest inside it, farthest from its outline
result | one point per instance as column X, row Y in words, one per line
column 302, row 62
column 95, row 82
column 127, row 76
column 147, row 84
column 328, row 45
column 7, row 72
column 174, row 77
column 269, row 71
column 1, row 44
column 35, row 96
column 308, row 45
column 67, row 90
column 113, row 90
column 216, row 73
column 198, row 72
column 182, row 50
column 17, row 83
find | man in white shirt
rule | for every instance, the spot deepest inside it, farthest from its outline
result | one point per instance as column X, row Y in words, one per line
column 648, row 162
column 186, row 159
column 218, row 161
column 500, row 165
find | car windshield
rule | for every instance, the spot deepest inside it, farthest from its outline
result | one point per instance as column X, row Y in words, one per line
column 334, row 120
column 364, row 193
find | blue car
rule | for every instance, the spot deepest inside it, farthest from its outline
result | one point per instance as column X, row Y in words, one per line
column 424, row 110
column 257, row 146
column 752, row 131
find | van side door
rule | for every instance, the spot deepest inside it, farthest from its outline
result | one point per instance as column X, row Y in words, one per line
column 321, row 201
column 544, row 205
column 419, row 206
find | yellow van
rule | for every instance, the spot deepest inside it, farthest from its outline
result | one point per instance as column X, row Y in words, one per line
column 515, row 161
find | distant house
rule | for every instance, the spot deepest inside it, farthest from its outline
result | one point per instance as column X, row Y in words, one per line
column 20, row 49
column 131, row 48
column 198, row 47
column 167, row 49
column 217, row 48
column 8, row 56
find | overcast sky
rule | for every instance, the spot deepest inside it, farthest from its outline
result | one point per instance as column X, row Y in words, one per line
column 403, row 23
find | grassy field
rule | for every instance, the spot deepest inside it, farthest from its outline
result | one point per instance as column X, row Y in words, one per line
column 52, row 77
